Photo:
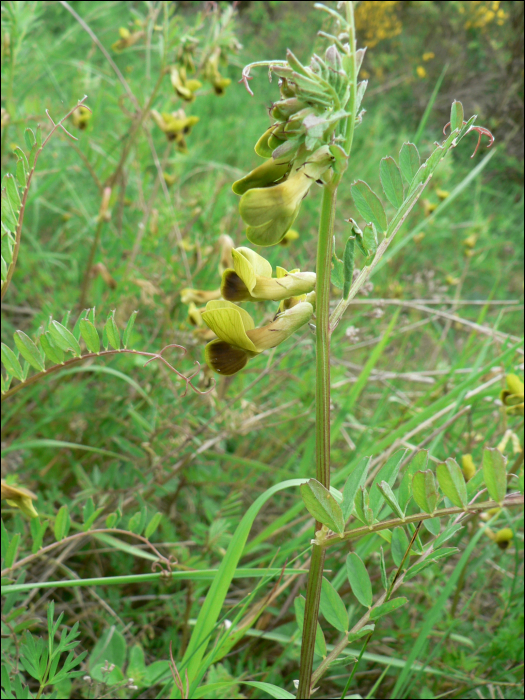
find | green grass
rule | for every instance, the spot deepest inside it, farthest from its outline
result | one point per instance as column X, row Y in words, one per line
column 121, row 434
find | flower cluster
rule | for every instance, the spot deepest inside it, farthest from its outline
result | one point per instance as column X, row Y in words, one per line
column 304, row 143
column 247, row 276
column 176, row 126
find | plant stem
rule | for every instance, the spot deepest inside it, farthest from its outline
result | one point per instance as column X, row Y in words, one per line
column 87, row 272
column 322, row 425
column 322, row 386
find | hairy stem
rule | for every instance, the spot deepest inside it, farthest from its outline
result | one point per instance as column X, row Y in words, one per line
column 322, row 423
column 322, row 388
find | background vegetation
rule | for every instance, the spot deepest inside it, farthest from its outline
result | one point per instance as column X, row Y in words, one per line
column 117, row 436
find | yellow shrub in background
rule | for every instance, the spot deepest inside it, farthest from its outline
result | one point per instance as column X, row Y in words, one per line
column 376, row 21
column 483, row 13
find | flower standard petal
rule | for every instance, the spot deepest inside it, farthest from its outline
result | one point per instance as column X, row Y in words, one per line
column 230, row 323
column 272, row 231
column 261, row 266
column 260, row 205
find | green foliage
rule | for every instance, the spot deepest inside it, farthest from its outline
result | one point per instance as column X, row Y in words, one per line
column 105, row 442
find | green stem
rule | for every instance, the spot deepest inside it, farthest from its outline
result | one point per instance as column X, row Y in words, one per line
column 322, row 387
column 322, row 425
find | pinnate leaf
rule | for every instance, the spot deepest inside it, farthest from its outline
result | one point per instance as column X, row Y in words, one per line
column 391, row 499
column 11, row 363
column 13, row 196
column 387, row 608
column 355, row 480
column 29, row 351
column 320, row 644
column 457, row 115
column 495, row 473
column 90, row 335
column 332, row 607
column 452, row 482
column 409, row 160
column 424, row 491
column 52, row 351
column 391, row 181
column 112, row 332
column 359, row 579
column 322, row 505
column 153, row 525
column 62, row 523
column 129, row 327
column 29, row 138
column 369, row 205
column 64, row 338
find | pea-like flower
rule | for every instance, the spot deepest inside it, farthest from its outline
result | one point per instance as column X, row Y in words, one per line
column 512, row 397
column 251, row 279
column 184, row 87
column 176, row 126
column 213, row 76
column 198, row 296
column 81, row 117
column 271, row 210
column 127, row 39
column 238, row 339
column 19, row 497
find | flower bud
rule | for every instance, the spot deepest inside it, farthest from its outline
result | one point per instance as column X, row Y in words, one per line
column 198, row 296
column 513, row 396
column 468, row 467
column 183, row 87
column 19, row 497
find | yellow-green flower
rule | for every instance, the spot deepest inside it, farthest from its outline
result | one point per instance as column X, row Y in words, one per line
column 512, row 397
column 237, row 338
column 251, row 279
column 270, row 173
column 468, row 467
column 269, row 211
column 213, row 76
column 227, row 245
column 195, row 315
column 176, row 126
column 127, row 39
column 289, row 237
column 184, row 87
column 502, row 538
column 81, row 117
column 198, row 296
column 19, row 497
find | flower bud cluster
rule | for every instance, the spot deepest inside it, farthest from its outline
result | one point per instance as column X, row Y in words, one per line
column 302, row 145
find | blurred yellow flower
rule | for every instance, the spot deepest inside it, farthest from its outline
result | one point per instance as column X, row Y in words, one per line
column 376, row 21
column 421, row 72
column 429, row 55
column 19, row 497
column 468, row 467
